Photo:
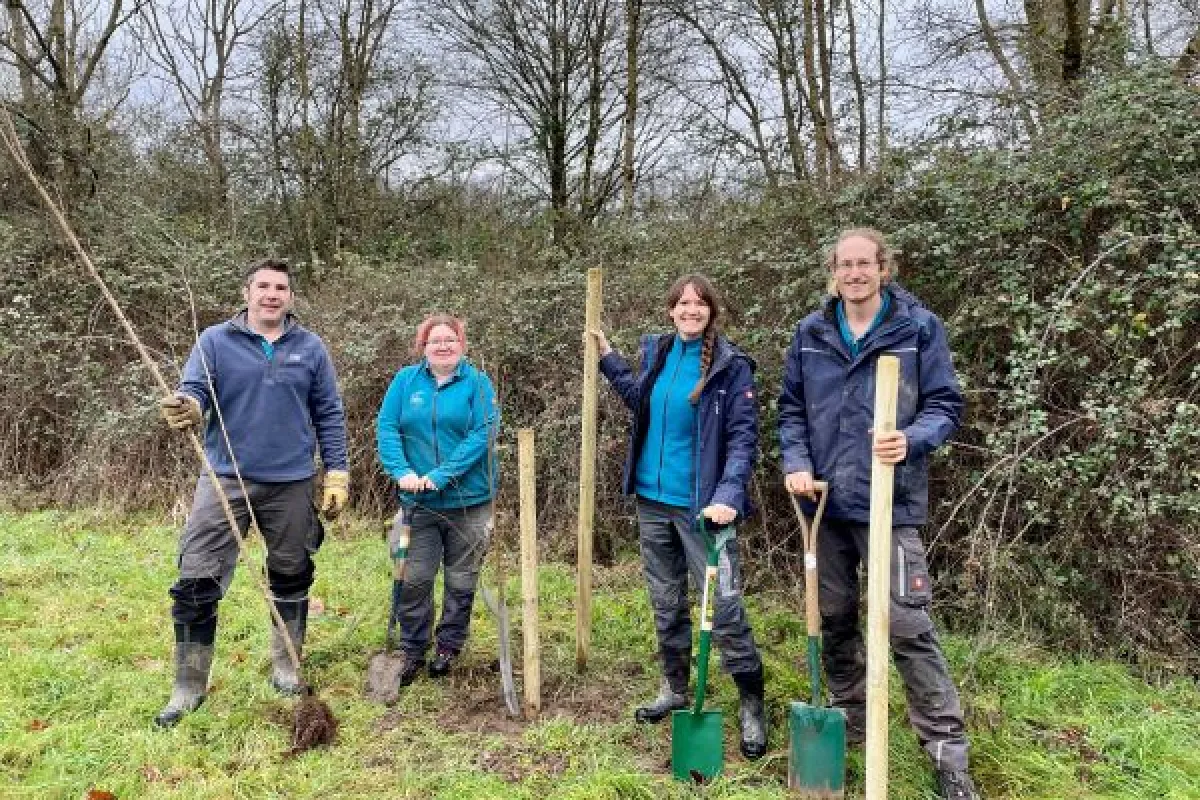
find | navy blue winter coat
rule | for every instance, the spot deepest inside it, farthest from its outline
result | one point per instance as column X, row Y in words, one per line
column 726, row 419
column 828, row 401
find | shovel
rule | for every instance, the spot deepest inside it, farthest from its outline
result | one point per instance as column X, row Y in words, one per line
column 384, row 668
column 697, row 738
column 817, row 755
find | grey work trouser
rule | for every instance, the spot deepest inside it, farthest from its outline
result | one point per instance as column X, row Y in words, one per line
column 208, row 551
column 458, row 538
column 671, row 550
column 933, row 704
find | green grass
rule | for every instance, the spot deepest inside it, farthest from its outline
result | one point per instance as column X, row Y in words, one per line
column 85, row 638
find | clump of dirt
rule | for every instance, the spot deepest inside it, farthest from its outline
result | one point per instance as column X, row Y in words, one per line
column 314, row 724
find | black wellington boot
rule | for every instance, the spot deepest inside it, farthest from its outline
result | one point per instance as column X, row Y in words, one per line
column 193, row 662
column 284, row 675
column 753, row 713
column 672, row 696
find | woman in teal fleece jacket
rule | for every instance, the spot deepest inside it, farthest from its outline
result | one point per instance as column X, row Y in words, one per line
column 435, row 431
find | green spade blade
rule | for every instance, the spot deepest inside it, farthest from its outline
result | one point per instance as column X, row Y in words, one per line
column 697, row 745
column 817, row 761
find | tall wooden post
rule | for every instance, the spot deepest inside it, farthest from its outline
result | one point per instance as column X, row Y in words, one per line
column 587, row 473
column 879, row 561
column 529, row 571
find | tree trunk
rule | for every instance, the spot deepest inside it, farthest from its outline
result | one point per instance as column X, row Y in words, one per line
column 813, row 96
column 881, row 111
column 633, row 18
column 1006, row 67
column 20, row 48
column 774, row 14
column 825, row 52
column 1189, row 61
column 860, row 94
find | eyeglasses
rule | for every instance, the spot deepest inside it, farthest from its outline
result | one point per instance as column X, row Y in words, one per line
column 862, row 265
column 442, row 342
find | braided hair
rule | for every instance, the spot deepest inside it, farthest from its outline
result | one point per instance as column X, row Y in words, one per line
column 709, row 295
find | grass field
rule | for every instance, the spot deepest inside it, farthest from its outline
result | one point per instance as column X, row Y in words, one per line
column 86, row 642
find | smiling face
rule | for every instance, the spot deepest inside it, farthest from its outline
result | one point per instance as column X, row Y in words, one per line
column 858, row 271
column 443, row 349
column 268, row 296
column 690, row 314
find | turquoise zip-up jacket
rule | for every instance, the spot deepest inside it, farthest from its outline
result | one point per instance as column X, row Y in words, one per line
column 666, row 467
column 442, row 432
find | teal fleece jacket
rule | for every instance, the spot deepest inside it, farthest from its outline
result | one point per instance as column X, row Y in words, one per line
column 442, row 432
column 666, row 467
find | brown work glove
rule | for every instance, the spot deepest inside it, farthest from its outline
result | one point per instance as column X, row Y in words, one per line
column 181, row 411
column 335, row 493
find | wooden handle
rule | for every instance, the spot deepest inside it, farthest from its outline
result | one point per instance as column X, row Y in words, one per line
column 587, row 473
column 812, row 612
column 529, row 571
column 887, row 379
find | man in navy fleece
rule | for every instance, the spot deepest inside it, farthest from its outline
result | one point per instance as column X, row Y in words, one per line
column 825, row 419
column 268, row 390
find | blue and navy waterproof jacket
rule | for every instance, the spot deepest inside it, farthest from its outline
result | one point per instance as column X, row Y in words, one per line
column 276, row 409
column 440, row 432
column 827, row 406
column 726, row 419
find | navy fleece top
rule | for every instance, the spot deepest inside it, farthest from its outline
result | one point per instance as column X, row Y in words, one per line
column 666, row 467
column 277, row 409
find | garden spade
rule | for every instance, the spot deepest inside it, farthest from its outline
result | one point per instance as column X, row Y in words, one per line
column 384, row 668
column 817, row 754
column 697, row 736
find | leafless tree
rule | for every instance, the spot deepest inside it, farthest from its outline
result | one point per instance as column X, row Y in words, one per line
column 58, row 49
column 193, row 43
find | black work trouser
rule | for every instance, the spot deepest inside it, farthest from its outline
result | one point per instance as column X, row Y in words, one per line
column 934, row 709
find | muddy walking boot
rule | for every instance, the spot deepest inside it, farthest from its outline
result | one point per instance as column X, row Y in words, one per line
column 956, row 785
column 672, row 696
column 285, row 676
column 752, row 715
column 193, row 662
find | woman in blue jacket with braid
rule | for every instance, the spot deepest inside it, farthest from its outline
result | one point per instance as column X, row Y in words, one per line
column 434, row 432
column 692, row 450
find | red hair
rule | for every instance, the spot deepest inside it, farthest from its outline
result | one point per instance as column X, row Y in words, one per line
column 432, row 321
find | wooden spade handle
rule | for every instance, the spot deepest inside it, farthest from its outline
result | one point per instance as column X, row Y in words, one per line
column 812, row 612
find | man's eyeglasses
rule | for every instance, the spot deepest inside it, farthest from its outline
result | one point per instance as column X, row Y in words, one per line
column 862, row 265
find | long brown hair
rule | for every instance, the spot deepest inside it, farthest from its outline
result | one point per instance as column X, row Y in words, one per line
column 709, row 295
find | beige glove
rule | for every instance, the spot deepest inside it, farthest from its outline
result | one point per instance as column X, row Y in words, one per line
column 335, row 494
column 180, row 411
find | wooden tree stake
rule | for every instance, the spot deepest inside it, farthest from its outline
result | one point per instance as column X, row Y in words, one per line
column 587, row 473
column 526, row 465
column 887, row 375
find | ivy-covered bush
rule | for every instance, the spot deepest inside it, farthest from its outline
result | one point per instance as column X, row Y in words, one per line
column 1068, row 273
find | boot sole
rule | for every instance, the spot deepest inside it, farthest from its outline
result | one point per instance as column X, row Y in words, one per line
column 644, row 715
column 169, row 719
